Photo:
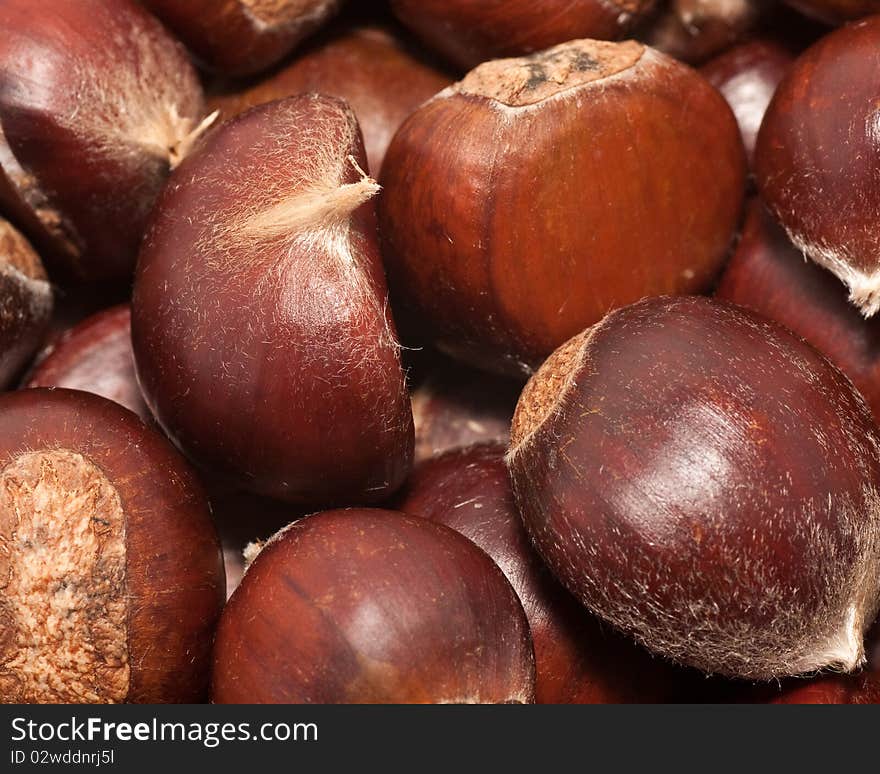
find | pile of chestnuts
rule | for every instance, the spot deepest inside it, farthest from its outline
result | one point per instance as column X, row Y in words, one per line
column 439, row 351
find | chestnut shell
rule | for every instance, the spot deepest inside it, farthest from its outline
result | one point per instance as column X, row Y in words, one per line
column 174, row 585
column 708, row 482
column 372, row 606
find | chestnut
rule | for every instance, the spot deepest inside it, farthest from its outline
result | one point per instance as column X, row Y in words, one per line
column 577, row 659
column 111, row 580
column 367, row 66
column 816, row 154
column 507, row 228
column 468, row 33
column 455, row 406
column 97, row 103
column 747, row 75
column 771, row 276
column 263, row 341
column 707, row 482
column 369, row 606
column 94, row 356
column 25, row 302
column 242, row 37
column 836, row 11
column 695, row 30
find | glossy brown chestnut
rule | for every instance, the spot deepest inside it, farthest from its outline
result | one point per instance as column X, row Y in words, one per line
column 262, row 336
column 371, row 606
column 708, row 482
column 816, row 154
column 97, row 103
column 111, row 579
column 836, row 11
column 242, row 37
column 577, row 659
column 455, row 406
column 94, row 356
column 370, row 68
column 468, row 33
column 25, row 303
column 770, row 275
column 695, row 30
column 507, row 228
column 747, row 75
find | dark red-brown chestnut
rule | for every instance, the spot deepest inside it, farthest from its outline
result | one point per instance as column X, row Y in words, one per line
column 747, row 75
column 816, row 154
column 695, row 30
column 836, row 11
column 97, row 103
column 242, row 37
column 25, row 303
column 770, row 275
column 508, row 228
column 455, row 406
column 371, row 606
column 468, row 33
column 367, row 66
column 577, row 659
column 94, row 356
column 263, row 340
column 708, row 482
column 111, row 578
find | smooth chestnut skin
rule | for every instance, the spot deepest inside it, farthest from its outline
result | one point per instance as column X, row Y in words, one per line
column 507, row 228
column 262, row 336
column 26, row 303
column 771, row 276
column 816, row 154
column 695, row 30
column 578, row 660
column 456, row 406
column 95, row 356
column 103, row 526
column 836, row 11
column 468, row 33
column 366, row 606
column 707, row 482
column 367, row 66
column 242, row 37
column 97, row 103
column 747, row 76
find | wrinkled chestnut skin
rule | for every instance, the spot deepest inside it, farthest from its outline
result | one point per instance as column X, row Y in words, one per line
column 174, row 569
column 94, row 356
column 366, row 66
column 26, row 303
column 468, row 33
column 747, row 76
column 368, row 606
column 708, row 482
column 455, row 406
column 97, row 101
column 230, row 35
column 272, row 359
column 578, row 660
column 695, row 30
column 816, row 154
column 768, row 274
column 508, row 229
column 836, row 11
